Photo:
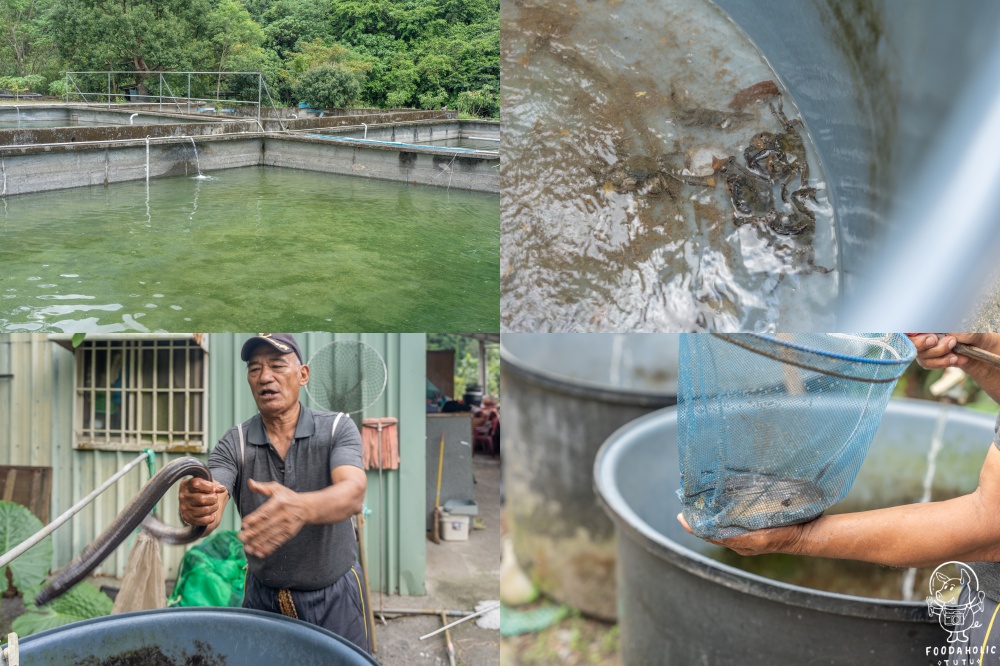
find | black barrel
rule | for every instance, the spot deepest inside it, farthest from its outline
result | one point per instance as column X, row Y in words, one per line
column 563, row 395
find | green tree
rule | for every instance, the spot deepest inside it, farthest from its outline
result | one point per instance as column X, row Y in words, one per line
column 266, row 62
column 232, row 31
column 317, row 52
column 24, row 42
column 289, row 23
column 328, row 86
column 140, row 35
column 479, row 103
column 350, row 19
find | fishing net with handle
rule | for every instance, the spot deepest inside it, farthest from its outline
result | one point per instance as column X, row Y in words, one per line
column 346, row 376
column 772, row 430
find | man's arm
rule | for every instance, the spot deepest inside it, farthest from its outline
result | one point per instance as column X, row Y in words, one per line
column 286, row 512
column 913, row 535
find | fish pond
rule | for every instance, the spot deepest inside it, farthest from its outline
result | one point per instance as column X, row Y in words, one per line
column 656, row 176
column 250, row 248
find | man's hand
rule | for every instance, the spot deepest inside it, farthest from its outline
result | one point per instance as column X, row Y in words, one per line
column 935, row 352
column 199, row 500
column 758, row 542
column 279, row 519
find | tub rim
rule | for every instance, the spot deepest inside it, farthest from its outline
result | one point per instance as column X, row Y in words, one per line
column 629, row 524
column 197, row 611
column 581, row 388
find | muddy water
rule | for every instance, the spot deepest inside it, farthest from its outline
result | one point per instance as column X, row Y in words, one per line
column 591, row 84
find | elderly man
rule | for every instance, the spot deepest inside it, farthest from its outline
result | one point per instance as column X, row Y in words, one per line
column 296, row 477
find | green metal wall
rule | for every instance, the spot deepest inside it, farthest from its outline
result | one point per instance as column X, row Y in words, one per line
column 36, row 410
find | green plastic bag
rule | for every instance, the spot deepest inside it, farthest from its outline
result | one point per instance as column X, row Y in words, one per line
column 213, row 573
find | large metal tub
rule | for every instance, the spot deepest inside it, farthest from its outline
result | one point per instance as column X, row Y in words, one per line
column 902, row 100
column 563, row 395
column 899, row 121
column 182, row 636
column 678, row 606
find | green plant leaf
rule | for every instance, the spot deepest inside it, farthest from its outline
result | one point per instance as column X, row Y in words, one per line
column 29, row 569
column 78, row 339
column 81, row 602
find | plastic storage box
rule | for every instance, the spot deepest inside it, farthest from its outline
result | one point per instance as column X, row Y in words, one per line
column 454, row 527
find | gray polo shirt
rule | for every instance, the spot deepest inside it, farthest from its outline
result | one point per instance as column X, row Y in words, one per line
column 319, row 554
column 989, row 572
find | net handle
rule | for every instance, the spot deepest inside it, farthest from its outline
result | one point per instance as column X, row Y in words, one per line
column 977, row 353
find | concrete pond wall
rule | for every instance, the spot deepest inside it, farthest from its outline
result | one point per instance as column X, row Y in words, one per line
column 87, row 133
column 420, row 131
column 40, row 168
column 103, row 124
column 383, row 117
column 92, row 114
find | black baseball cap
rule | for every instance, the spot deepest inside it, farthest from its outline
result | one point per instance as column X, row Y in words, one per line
column 283, row 342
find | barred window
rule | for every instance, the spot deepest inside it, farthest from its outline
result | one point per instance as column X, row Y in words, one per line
column 136, row 392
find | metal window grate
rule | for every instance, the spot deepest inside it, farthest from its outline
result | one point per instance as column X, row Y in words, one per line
column 136, row 394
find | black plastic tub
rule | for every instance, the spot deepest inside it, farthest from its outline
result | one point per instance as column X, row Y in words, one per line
column 188, row 636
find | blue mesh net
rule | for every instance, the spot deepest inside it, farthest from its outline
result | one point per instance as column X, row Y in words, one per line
column 772, row 430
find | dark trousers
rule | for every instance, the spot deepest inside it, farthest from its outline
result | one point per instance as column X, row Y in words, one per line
column 340, row 607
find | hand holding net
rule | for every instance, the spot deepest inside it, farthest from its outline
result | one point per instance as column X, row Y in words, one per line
column 772, row 430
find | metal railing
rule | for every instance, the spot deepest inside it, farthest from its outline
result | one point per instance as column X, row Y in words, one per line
column 171, row 99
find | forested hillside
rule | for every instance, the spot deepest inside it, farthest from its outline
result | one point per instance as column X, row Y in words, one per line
column 369, row 53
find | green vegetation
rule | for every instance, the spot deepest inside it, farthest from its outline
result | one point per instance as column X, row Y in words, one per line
column 467, row 362
column 28, row 572
column 374, row 53
column 81, row 602
column 328, row 86
column 20, row 84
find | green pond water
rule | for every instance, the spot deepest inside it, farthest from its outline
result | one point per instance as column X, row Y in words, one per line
column 251, row 248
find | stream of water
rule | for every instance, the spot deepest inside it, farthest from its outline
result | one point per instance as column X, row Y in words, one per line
column 937, row 442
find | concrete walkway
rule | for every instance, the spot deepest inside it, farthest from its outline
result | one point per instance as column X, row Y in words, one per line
column 460, row 574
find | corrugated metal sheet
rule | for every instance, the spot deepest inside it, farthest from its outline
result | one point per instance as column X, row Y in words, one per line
column 36, row 410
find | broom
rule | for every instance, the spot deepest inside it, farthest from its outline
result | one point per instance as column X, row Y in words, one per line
column 436, row 528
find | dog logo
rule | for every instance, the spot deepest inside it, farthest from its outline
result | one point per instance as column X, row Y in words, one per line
column 945, row 588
